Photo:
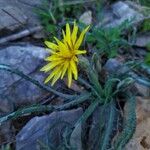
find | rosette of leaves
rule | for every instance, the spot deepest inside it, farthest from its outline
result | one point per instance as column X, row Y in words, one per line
column 107, row 41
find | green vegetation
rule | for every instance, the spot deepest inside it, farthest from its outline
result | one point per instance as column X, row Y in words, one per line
column 101, row 89
column 108, row 40
column 6, row 147
column 144, row 2
column 146, row 25
column 147, row 59
column 53, row 14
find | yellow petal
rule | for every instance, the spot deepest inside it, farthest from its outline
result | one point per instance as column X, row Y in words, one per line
column 80, row 39
column 51, row 45
column 74, row 33
column 60, row 44
column 53, row 73
column 48, row 78
column 56, row 77
column 75, row 59
column 68, row 33
column 50, row 66
column 65, row 67
column 69, row 76
column 53, row 58
column 51, row 51
column 74, row 69
column 62, row 47
column 64, row 36
column 78, row 52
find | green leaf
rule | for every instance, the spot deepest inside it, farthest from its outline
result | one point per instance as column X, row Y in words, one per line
column 129, row 123
column 147, row 58
column 113, row 53
column 28, row 110
column 76, row 101
column 51, row 28
column 108, row 127
column 108, row 89
column 87, row 113
column 146, row 25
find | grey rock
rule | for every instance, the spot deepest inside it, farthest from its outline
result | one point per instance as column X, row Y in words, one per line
column 17, row 14
column 112, row 65
column 140, row 52
column 47, row 130
column 134, row 145
column 100, row 120
column 7, row 132
column 11, row 18
column 86, row 17
column 23, row 92
column 143, row 90
column 142, row 40
column 94, row 132
column 28, row 59
column 118, row 13
column 123, row 12
column 6, row 105
column 15, row 91
column 121, row 9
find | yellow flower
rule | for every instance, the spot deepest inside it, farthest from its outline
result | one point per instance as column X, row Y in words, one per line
column 63, row 59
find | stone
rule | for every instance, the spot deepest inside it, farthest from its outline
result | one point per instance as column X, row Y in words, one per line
column 118, row 13
column 15, row 91
column 47, row 130
column 6, row 105
column 123, row 12
column 115, row 66
column 143, row 90
column 121, row 9
column 142, row 40
column 28, row 59
column 12, row 18
column 16, row 14
column 112, row 65
column 140, row 52
column 94, row 132
column 86, row 18
column 7, row 132
column 99, row 123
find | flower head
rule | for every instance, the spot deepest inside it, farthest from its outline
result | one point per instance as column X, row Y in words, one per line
column 63, row 55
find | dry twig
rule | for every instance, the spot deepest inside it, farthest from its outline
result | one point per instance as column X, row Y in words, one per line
column 21, row 34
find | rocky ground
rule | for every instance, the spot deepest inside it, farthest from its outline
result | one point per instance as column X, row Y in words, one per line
column 21, row 46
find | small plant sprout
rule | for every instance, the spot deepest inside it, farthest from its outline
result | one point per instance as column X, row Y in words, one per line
column 63, row 55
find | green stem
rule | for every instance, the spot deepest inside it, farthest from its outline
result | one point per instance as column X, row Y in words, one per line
column 35, row 82
column 42, row 108
column 82, row 81
column 24, row 111
column 77, row 101
column 52, row 16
